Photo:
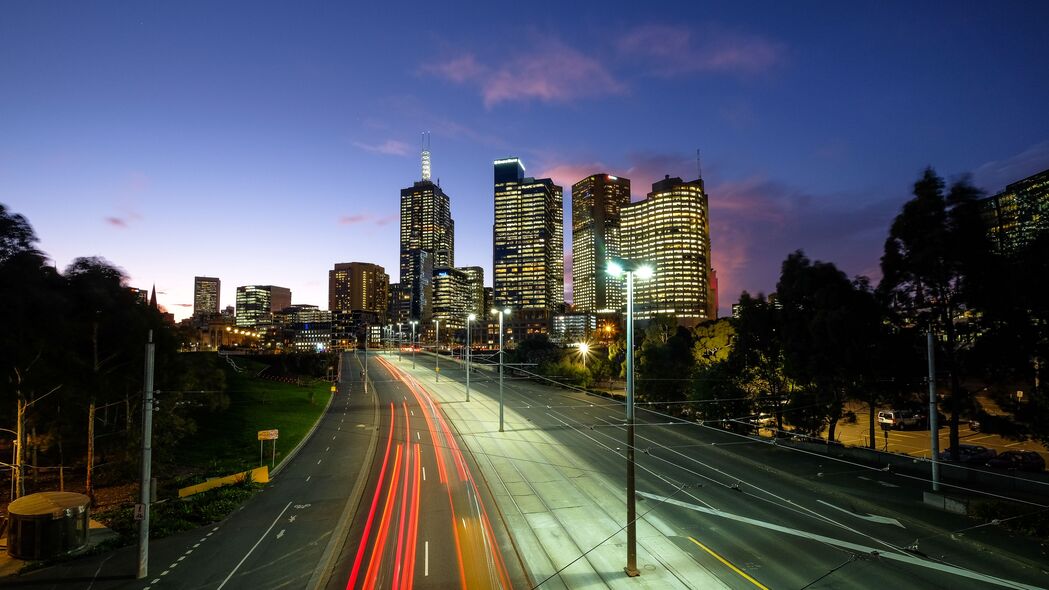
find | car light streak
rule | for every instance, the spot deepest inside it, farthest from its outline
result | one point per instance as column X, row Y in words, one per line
column 375, row 502
column 374, row 563
column 403, row 516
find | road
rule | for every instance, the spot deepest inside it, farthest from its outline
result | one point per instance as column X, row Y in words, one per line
column 762, row 515
column 426, row 521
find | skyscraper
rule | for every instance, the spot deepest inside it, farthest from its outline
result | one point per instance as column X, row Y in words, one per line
column 596, row 204
column 206, row 292
column 427, row 238
column 358, row 286
column 451, row 297
column 528, row 257
column 475, row 290
column 670, row 229
column 256, row 304
column 1019, row 214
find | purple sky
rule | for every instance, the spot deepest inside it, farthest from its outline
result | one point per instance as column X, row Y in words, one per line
column 262, row 143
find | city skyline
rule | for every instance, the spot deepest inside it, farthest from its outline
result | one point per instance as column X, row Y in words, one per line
column 251, row 152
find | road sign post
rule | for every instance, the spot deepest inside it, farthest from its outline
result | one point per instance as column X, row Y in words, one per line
column 269, row 435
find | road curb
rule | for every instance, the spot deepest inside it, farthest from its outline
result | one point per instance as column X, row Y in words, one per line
column 325, row 566
column 291, row 455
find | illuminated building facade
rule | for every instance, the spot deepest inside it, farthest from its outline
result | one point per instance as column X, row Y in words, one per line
column 596, row 204
column 358, row 286
column 256, row 304
column 206, row 296
column 528, row 257
column 451, row 299
column 475, row 290
column 670, row 229
column 1019, row 214
column 400, row 304
column 427, row 238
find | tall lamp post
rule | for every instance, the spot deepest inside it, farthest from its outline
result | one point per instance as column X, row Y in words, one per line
column 413, row 323
column 400, row 340
column 469, row 319
column 501, row 312
column 437, row 350
column 619, row 268
column 584, row 350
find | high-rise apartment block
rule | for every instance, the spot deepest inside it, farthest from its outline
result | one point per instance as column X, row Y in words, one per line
column 206, row 292
column 358, row 286
column 427, row 238
column 670, row 229
column 528, row 257
column 596, row 204
column 1019, row 214
column 256, row 304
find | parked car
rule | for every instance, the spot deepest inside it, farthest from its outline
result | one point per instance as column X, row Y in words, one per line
column 970, row 455
column 900, row 419
column 1018, row 460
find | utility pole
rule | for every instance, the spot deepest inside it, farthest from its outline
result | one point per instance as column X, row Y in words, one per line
column 147, row 458
column 631, row 509
column 366, row 335
column 437, row 350
column 469, row 320
column 934, row 432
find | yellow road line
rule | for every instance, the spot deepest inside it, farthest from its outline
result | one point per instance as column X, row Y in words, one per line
column 729, row 564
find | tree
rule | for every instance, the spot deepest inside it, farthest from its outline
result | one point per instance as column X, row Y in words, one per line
column 757, row 354
column 931, row 265
column 713, row 341
column 664, row 367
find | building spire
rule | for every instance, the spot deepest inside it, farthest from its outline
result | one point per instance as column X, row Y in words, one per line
column 426, row 155
column 153, row 297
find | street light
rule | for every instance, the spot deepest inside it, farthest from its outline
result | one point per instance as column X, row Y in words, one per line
column 437, row 350
column 469, row 319
column 413, row 322
column 584, row 349
column 400, row 340
column 501, row 312
column 642, row 271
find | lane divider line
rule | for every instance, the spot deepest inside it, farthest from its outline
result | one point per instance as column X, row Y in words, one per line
column 253, row 547
column 729, row 564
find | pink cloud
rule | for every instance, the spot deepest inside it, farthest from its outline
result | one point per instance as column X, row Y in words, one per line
column 390, row 147
column 359, row 218
column 673, row 50
column 116, row 222
column 565, row 175
column 555, row 73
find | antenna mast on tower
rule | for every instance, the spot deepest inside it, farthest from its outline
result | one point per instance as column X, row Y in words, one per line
column 699, row 165
column 426, row 155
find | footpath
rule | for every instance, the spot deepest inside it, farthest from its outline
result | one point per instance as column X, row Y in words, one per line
column 566, row 521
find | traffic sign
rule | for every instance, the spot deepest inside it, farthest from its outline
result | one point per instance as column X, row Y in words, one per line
column 268, row 434
column 140, row 511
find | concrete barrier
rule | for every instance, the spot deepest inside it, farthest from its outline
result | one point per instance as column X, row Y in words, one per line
column 257, row 475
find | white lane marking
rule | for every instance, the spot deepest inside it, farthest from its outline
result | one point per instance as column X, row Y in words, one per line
column 333, row 437
column 173, row 566
column 424, row 474
column 214, row 529
column 155, row 581
column 308, row 477
column 164, row 573
column 888, row 485
column 208, row 535
column 181, row 558
column 902, row 557
column 319, row 461
column 197, row 545
column 869, row 517
column 426, row 558
column 417, row 435
column 281, row 533
column 463, row 518
column 340, row 428
column 412, row 412
column 253, row 547
column 188, row 551
column 327, row 449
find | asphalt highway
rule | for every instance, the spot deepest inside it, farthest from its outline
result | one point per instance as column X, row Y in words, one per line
column 766, row 516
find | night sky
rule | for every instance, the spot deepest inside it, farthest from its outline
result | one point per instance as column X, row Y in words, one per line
column 263, row 142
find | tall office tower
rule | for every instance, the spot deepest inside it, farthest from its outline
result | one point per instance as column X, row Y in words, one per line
column 256, row 304
column 475, row 290
column 426, row 228
column 670, row 229
column 400, row 305
column 528, row 237
column 596, row 204
column 1019, row 214
column 358, row 286
column 712, row 301
column 451, row 298
column 206, row 296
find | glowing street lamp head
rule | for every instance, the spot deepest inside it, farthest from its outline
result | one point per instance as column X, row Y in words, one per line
column 614, row 268
column 584, row 347
column 645, row 271
column 471, row 317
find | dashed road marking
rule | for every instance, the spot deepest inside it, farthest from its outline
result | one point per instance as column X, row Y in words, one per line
column 308, row 477
column 319, row 461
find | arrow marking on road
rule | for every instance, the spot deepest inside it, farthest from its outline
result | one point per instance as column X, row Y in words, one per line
column 901, row 557
column 292, row 518
column 280, row 534
column 869, row 517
